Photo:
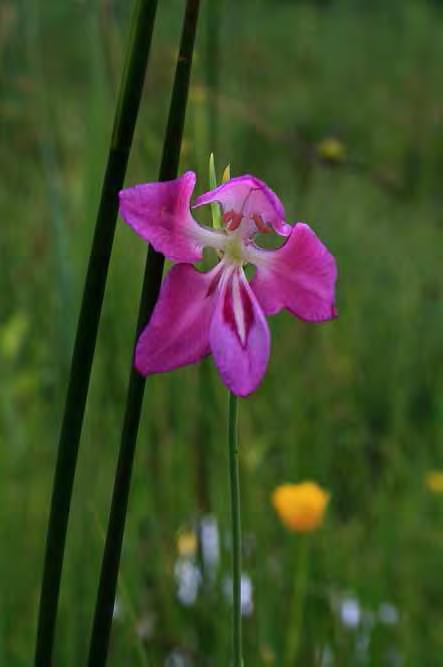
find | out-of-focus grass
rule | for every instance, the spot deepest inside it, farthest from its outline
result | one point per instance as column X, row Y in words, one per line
column 356, row 404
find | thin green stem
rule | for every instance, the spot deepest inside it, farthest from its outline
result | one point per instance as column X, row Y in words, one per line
column 124, row 123
column 234, row 482
column 101, row 629
column 297, row 600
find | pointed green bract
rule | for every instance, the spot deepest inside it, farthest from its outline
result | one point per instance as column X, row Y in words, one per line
column 215, row 208
column 226, row 174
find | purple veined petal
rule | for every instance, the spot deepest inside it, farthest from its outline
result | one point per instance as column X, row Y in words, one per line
column 239, row 335
column 160, row 214
column 299, row 276
column 178, row 332
column 250, row 197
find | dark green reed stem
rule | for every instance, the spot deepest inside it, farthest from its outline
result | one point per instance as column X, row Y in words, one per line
column 234, row 482
column 101, row 629
column 124, row 122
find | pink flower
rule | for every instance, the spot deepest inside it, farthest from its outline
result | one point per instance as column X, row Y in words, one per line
column 220, row 312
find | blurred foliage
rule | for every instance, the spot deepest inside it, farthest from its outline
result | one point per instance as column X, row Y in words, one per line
column 356, row 404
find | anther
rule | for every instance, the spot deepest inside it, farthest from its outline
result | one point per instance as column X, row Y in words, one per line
column 232, row 220
column 261, row 225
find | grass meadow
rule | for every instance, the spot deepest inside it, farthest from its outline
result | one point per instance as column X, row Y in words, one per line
column 356, row 404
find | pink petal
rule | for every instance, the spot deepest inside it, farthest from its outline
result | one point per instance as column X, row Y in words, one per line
column 159, row 213
column 239, row 336
column 249, row 196
column 299, row 276
column 178, row 332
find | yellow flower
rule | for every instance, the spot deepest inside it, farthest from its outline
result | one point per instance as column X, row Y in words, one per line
column 187, row 543
column 301, row 507
column 331, row 149
column 434, row 481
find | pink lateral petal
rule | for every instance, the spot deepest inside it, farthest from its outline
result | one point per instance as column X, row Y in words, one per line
column 249, row 196
column 239, row 336
column 178, row 333
column 159, row 213
column 299, row 276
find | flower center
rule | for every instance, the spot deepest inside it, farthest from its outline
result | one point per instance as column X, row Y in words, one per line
column 234, row 251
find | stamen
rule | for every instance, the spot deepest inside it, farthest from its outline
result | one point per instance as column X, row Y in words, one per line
column 232, row 220
column 261, row 225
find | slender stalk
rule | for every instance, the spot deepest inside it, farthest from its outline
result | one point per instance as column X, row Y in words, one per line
column 101, row 629
column 298, row 595
column 234, row 482
column 124, row 123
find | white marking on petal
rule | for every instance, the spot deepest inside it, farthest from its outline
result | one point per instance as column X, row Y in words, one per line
column 260, row 257
column 227, row 270
column 207, row 237
column 237, row 305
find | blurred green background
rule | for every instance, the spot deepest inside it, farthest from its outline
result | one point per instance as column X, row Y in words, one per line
column 338, row 105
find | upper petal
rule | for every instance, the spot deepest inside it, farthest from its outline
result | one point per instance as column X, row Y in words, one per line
column 178, row 332
column 160, row 214
column 299, row 276
column 249, row 196
column 239, row 335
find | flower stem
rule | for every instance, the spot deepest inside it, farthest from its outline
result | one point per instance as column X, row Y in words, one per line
column 124, row 123
column 101, row 629
column 234, row 482
column 298, row 594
